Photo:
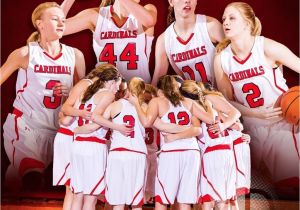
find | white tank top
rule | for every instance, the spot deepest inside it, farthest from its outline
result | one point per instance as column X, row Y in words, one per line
column 127, row 46
column 135, row 141
column 34, row 94
column 210, row 139
column 255, row 83
column 90, row 106
column 181, row 116
column 194, row 57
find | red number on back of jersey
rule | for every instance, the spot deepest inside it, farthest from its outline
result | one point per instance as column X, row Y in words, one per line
column 128, row 54
column 52, row 102
column 199, row 67
column 253, row 96
column 81, row 121
column 149, row 135
column 130, row 121
column 183, row 118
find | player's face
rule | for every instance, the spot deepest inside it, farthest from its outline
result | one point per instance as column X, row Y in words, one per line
column 233, row 22
column 52, row 23
column 184, row 8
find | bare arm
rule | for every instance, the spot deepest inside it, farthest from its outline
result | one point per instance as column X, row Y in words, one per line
column 161, row 60
column 280, row 54
column 85, row 19
column 79, row 64
column 169, row 127
column 145, row 15
column 17, row 59
column 86, row 128
column 66, row 6
column 215, row 30
column 199, row 112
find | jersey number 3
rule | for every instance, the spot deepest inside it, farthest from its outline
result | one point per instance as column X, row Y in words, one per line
column 51, row 102
column 128, row 54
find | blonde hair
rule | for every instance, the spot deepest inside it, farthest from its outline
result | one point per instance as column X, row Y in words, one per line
column 171, row 15
column 136, row 86
column 190, row 89
column 248, row 14
column 36, row 15
column 107, row 72
column 207, row 89
column 105, row 3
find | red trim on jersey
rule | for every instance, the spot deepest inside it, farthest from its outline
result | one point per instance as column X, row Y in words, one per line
column 53, row 58
column 91, row 139
column 183, row 41
column 24, row 86
column 17, row 114
column 211, row 185
column 68, row 182
column 179, row 150
column 136, row 196
column 29, row 163
column 276, row 85
column 205, row 198
column 145, row 50
column 14, row 151
column 202, row 142
column 242, row 61
column 242, row 191
column 63, row 174
column 218, row 147
column 65, row 131
column 122, row 149
column 295, row 142
column 158, row 139
column 163, row 192
column 158, row 199
column 238, row 141
column 235, row 142
column 92, row 192
column 113, row 19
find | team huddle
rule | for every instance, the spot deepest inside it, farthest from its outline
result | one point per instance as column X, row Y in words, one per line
column 116, row 135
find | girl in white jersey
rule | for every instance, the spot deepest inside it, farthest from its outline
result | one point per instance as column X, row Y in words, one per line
column 46, row 70
column 173, row 108
column 247, row 72
column 65, row 136
column 122, row 34
column 217, row 153
column 188, row 43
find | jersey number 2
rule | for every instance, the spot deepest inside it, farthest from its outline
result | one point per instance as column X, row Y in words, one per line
column 128, row 54
column 253, row 96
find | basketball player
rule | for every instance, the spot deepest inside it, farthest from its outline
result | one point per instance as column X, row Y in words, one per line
column 179, row 161
column 122, row 34
column 65, row 136
column 88, row 161
column 46, row 70
column 247, row 69
column 217, row 156
column 188, row 43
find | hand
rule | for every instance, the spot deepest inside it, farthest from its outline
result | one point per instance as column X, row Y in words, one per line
column 60, row 90
column 125, row 130
column 85, row 114
column 268, row 112
column 133, row 99
column 217, row 128
column 246, row 138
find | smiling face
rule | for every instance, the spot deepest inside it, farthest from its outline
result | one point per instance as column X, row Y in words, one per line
column 183, row 8
column 52, row 23
column 233, row 22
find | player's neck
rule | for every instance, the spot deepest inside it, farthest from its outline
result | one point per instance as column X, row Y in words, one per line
column 119, row 11
column 184, row 26
column 242, row 46
column 52, row 48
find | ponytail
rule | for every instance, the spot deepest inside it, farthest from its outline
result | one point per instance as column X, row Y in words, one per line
column 222, row 45
column 256, row 30
column 92, row 89
column 34, row 37
column 171, row 15
column 166, row 84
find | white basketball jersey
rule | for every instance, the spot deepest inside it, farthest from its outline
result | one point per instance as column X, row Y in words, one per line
column 135, row 141
column 127, row 46
column 181, row 116
column 90, row 105
column 34, row 85
column 255, row 83
column 210, row 139
column 194, row 56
